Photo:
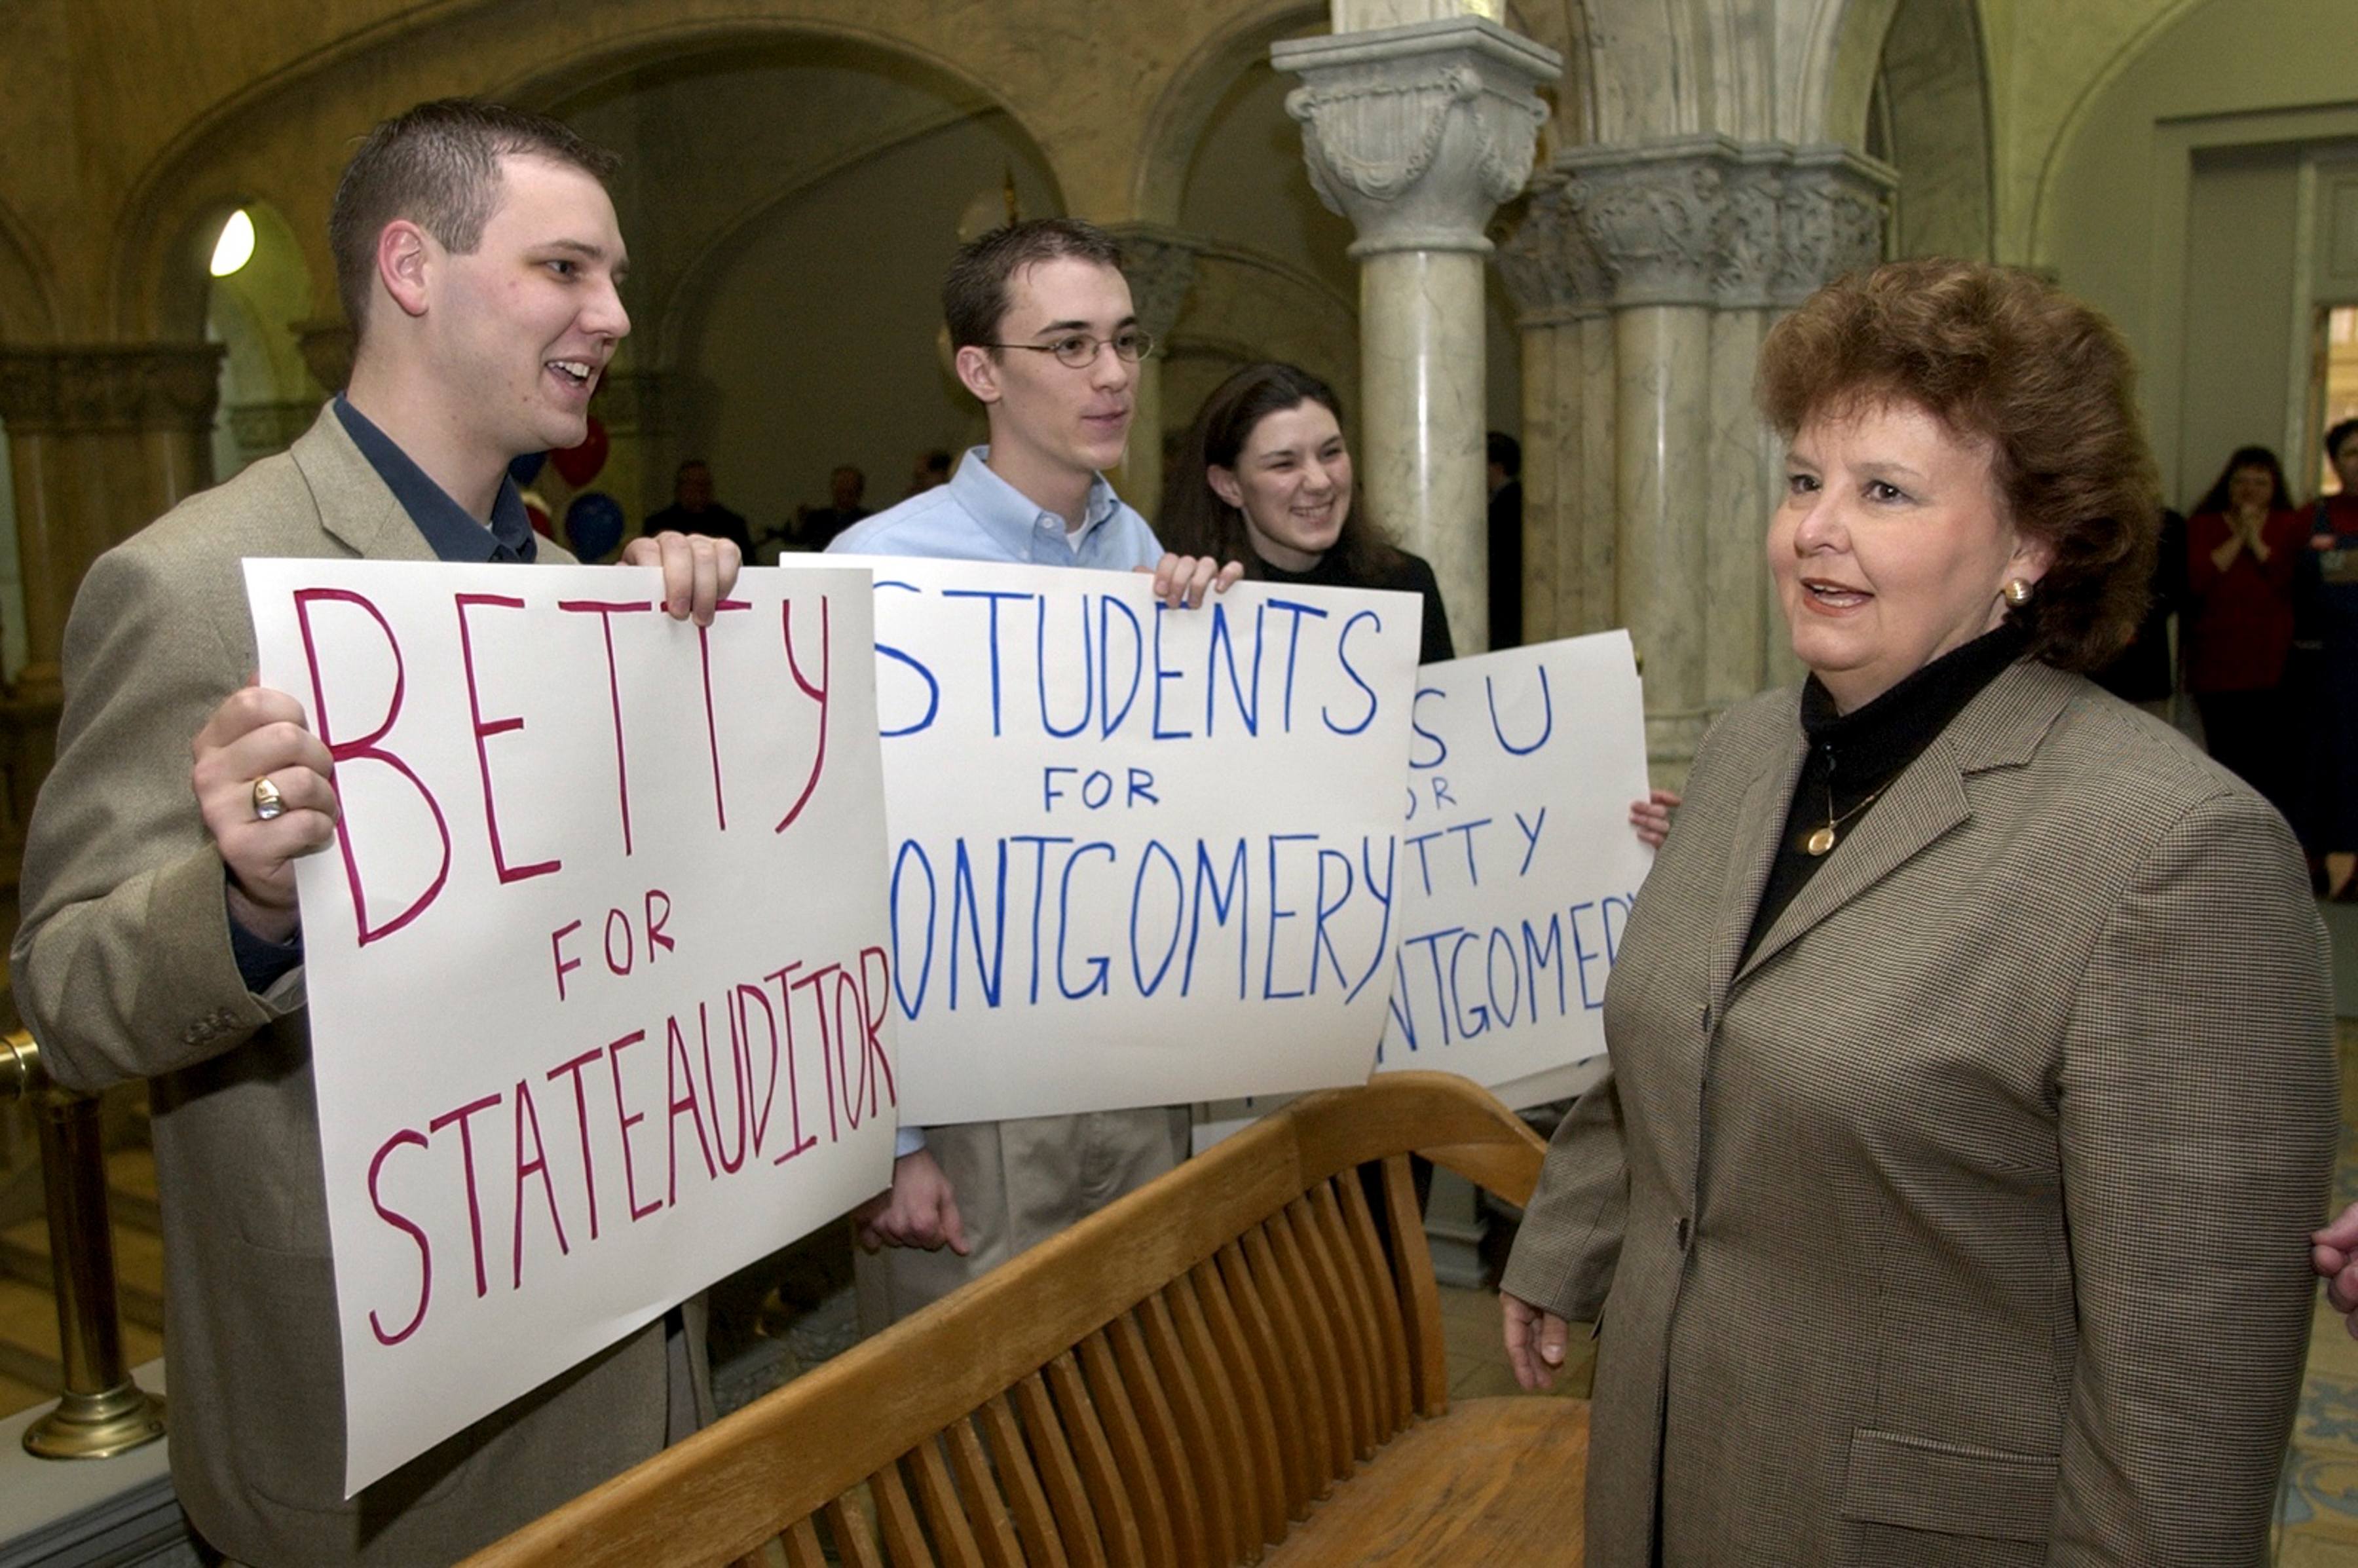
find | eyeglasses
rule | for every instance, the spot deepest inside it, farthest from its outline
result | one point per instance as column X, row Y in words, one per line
column 1079, row 350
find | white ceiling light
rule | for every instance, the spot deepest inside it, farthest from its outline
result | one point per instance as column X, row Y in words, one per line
column 235, row 246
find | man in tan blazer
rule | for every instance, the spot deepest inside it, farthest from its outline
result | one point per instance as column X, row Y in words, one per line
column 1960, row 1214
column 479, row 257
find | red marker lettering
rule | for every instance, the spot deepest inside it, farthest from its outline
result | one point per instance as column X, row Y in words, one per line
column 483, row 732
column 677, row 1070
column 711, row 731
column 557, row 950
column 525, row 1112
column 467, row 1154
column 817, row 694
column 630, row 1118
column 606, row 612
column 582, row 1120
column 399, row 1222
column 367, row 747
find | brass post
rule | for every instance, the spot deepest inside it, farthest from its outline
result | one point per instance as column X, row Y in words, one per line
column 103, row 1412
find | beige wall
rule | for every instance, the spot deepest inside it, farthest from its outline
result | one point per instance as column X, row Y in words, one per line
column 2147, row 164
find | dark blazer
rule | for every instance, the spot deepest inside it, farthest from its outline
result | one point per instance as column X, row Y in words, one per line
column 122, row 970
column 1966, row 1221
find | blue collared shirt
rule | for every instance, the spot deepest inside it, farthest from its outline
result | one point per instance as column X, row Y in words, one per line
column 979, row 516
column 454, row 534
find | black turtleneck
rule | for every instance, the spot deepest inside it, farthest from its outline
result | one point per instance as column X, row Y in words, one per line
column 1857, row 756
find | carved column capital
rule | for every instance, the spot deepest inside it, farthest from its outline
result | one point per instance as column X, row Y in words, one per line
column 1706, row 220
column 261, row 428
column 1552, row 270
column 1160, row 263
column 1832, row 216
column 110, row 386
column 1417, row 132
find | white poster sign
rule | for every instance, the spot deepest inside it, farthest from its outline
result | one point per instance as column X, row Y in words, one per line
column 1518, row 870
column 1141, row 856
column 1519, row 866
column 598, row 967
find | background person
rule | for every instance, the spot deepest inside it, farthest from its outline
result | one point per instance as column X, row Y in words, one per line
column 478, row 257
column 1263, row 477
column 1973, row 1089
column 1504, row 463
column 820, row 524
column 692, row 510
column 2327, row 598
column 1047, row 340
column 2242, row 547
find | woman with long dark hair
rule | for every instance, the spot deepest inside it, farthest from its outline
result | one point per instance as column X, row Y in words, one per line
column 1263, row 476
column 2242, row 547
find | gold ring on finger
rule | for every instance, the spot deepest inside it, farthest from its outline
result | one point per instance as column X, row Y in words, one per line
column 267, row 802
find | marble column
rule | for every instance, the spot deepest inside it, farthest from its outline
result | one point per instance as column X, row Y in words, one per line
column 1655, row 271
column 103, row 440
column 1160, row 263
column 1415, row 133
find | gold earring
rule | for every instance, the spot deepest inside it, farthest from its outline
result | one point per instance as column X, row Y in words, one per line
column 2016, row 592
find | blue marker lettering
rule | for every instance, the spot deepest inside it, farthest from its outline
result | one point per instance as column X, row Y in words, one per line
column 1547, row 723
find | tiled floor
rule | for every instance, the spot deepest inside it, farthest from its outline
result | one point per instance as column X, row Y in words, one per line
column 2317, row 1510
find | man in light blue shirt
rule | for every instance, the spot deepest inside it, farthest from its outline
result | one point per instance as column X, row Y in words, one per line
column 1048, row 339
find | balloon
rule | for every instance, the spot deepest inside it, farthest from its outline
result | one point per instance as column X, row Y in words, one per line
column 593, row 525
column 580, row 465
column 526, row 468
column 540, row 524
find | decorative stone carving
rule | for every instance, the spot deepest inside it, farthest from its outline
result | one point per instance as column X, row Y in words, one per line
column 1701, row 220
column 140, row 387
column 1832, row 219
column 1552, row 270
column 261, row 428
column 1416, row 134
column 1160, row 263
column 326, row 346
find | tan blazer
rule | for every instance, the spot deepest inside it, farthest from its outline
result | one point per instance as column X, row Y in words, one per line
column 1966, row 1221
column 122, row 970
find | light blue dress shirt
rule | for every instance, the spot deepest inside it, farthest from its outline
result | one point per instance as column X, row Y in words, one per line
column 979, row 516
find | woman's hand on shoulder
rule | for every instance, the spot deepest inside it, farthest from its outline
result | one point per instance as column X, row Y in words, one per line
column 1651, row 816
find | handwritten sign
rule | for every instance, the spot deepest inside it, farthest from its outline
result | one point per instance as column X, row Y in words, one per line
column 1140, row 856
column 598, row 967
column 1518, row 870
column 1518, row 864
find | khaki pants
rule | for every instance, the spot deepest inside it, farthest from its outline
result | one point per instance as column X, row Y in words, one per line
column 1017, row 1183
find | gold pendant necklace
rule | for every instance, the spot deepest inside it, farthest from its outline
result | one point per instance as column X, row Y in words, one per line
column 1821, row 841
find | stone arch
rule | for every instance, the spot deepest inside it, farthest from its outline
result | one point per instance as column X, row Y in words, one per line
column 298, row 122
column 1177, row 121
column 29, row 312
column 1839, row 78
column 2091, row 93
column 1933, row 125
